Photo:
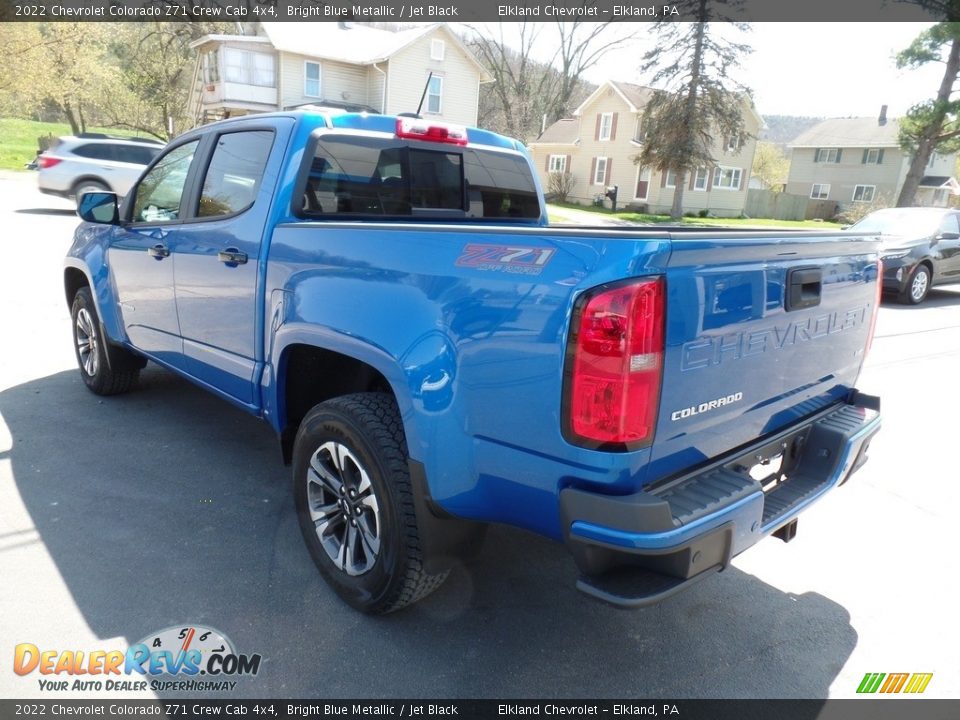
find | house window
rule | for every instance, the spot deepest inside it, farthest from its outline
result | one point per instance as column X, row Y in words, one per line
column 638, row 130
column 606, row 126
column 820, row 191
column 940, row 200
column 733, row 143
column 872, row 156
column 600, row 171
column 932, row 160
column 643, row 183
column 249, row 68
column 864, row 193
column 701, row 179
column 437, row 49
column 211, row 67
column 434, row 94
column 727, row 178
column 671, row 181
column 311, row 79
column 827, row 155
column 558, row 163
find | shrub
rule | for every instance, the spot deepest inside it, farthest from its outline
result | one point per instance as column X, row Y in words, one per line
column 560, row 185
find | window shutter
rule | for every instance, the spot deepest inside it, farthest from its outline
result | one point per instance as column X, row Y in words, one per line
column 593, row 171
column 864, row 161
column 663, row 177
column 546, row 163
column 606, row 179
column 566, row 166
column 710, row 179
column 816, row 154
column 596, row 132
column 880, row 157
column 839, row 154
column 613, row 127
column 693, row 177
column 743, row 178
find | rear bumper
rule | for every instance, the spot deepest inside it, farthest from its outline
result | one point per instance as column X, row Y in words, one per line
column 638, row 549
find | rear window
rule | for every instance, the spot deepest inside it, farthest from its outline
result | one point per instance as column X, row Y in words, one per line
column 383, row 177
column 94, row 151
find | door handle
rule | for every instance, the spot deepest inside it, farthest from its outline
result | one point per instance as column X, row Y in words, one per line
column 158, row 251
column 232, row 256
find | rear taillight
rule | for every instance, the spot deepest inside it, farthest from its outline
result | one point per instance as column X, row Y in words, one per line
column 45, row 161
column 876, row 307
column 419, row 129
column 614, row 362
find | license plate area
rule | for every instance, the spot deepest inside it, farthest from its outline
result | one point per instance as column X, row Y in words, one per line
column 771, row 465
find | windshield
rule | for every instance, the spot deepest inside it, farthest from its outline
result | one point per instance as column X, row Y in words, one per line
column 908, row 222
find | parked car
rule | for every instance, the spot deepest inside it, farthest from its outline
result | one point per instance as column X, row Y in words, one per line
column 920, row 248
column 89, row 163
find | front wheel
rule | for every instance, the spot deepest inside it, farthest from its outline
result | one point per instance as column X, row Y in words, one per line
column 355, row 503
column 917, row 286
column 90, row 345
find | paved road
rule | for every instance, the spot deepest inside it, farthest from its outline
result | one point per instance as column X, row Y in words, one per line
column 120, row 517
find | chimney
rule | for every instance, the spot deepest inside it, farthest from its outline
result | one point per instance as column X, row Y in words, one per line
column 882, row 120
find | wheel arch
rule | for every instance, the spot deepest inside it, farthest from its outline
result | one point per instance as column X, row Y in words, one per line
column 89, row 178
column 309, row 372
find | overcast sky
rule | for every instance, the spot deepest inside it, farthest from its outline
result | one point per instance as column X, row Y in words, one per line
column 813, row 69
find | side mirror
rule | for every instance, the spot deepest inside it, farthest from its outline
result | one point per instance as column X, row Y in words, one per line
column 948, row 236
column 99, row 207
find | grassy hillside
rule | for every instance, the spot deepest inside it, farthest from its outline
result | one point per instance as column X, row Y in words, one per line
column 18, row 139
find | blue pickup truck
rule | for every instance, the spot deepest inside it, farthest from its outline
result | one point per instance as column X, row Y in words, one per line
column 434, row 357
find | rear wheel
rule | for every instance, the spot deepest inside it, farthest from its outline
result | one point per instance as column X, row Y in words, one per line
column 85, row 186
column 355, row 503
column 89, row 343
column 917, row 286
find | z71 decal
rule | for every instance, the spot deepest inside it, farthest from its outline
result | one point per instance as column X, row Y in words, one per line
column 505, row 258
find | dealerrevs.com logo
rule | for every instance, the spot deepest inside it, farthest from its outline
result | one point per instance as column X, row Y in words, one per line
column 186, row 658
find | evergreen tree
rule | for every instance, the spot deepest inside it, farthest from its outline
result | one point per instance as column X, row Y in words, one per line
column 933, row 124
column 696, row 97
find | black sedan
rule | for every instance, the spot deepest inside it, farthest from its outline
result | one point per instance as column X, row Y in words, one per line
column 921, row 248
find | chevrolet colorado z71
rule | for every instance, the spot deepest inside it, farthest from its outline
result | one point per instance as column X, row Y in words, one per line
column 387, row 294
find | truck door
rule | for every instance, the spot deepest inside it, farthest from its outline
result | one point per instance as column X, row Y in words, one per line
column 948, row 247
column 216, row 258
column 139, row 255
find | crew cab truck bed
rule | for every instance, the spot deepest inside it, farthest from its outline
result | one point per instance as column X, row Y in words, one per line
column 434, row 357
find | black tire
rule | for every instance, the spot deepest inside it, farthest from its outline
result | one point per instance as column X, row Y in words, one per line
column 85, row 186
column 379, row 568
column 89, row 344
column 918, row 285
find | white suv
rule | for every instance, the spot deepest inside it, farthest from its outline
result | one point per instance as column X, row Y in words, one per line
column 88, row 163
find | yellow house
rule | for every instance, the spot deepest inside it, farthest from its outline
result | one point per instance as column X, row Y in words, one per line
column 599, row 143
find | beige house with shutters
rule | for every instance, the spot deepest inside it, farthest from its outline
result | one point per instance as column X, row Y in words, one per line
column 289, row 65
column 599, row 143
column 859, row 160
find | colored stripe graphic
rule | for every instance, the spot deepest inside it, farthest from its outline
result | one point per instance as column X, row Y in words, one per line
column 895, row 682
column 870, row 682
column 914, row 683
column 918, row 682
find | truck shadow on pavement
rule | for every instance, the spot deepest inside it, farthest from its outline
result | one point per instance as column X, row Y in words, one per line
column 167, row 506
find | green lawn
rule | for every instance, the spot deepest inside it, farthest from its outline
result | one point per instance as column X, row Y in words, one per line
column 646, row 219
column 18, row 139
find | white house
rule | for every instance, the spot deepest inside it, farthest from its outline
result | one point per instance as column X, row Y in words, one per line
column 286, row 65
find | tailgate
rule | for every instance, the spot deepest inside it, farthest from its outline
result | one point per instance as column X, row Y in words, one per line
column 761, row 331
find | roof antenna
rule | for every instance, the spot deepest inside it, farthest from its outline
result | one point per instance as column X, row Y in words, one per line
column 424, row 95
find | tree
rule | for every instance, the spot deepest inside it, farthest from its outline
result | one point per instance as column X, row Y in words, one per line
column 933, row 124
column 697, row 97
column 526, row 90
column 770, row 165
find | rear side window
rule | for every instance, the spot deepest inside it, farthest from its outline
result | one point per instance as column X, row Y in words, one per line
column 233, row 176
column 383, row 177
column 949, row 224
column 94, row 151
